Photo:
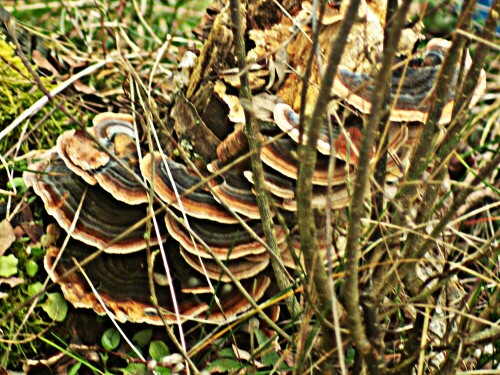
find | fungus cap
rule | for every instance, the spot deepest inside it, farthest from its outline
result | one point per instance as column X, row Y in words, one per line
column 113, row 163
column 101, row 221
column 411, row 87
column 197, row 203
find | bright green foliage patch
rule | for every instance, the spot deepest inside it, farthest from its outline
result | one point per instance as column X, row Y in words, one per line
column 227, row 362
column 55, row 306
column 19, row 276
column 8, row 265
column 110, row 339
column 158, row 350
column 142, row 338
column 19, row 91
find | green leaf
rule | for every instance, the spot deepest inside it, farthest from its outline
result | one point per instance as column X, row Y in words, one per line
column 110, row 339
column 137, row 353
column 158, row 350
column 225, row 365
column 351, row 354
column 8, row 265
column 271, row 357
column 227, row 362
column 141, row 338
column 74, row 369
column 34, row 288
column 163, row 370
column 135, row 369
column 227, row 352
column 55, row 306
column 37, row 251
column 19, row 183
column 31, row 268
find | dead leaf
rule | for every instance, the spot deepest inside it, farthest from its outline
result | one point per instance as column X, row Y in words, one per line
column 12, row 281
column 82, row 87
column 236, row 112
column 33, row 230
column 7, row 236
column 42, row 62
column 190, row 126
column 243, row 354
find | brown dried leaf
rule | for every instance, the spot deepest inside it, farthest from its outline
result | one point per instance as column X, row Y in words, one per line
column 7, row 236
column 12, row 281
column 82, row 87
column 33, row 230
column 236, row 113
column 190, row 126
column 244, row 355
column 268, row 41
column 42, row 62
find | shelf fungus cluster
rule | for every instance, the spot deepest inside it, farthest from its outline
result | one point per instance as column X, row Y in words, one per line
column 92, row 184
column 135, row 215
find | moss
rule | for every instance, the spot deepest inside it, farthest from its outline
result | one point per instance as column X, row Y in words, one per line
column 19, row 91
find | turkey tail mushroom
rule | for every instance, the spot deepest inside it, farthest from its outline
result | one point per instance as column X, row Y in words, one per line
column 411, row 87
column 113, row 163
column 88, row 213
column 197, row 203
column 92, row 184
column 122, row 284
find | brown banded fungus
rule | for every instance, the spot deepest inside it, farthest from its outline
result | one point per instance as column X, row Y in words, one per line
column 281, row 156
column 113, row 163
column 345, row 144
column 243, row 268
column 197, row 203
column 279, row 186
column 104, row 166
column 229, row 241
column 74, row 193
column 92, row 210
column 346, row 140
column 411, row 87
column 123, row 287
column 236, row 193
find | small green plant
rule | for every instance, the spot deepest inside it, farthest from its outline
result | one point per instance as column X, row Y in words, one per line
column 29, row 312
column 110, row 339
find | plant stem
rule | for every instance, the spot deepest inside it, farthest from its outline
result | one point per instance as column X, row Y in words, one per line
column 252, row 132
column 350, row 290
column 313, row 262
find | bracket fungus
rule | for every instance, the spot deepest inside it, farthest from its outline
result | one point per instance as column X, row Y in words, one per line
column 236, row 193
column 96, row 182
column 281, row 156
column 226, row 241
column 78, row 182
column 114, row 165
column 108, row 235
column 120, row 284
column 197, row 203
column 88, row 213
column 346, row 140
column 412, row 85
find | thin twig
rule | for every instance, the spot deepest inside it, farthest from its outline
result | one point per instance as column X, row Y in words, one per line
column 307, row 152
column 252, row 132
column 350, row 290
